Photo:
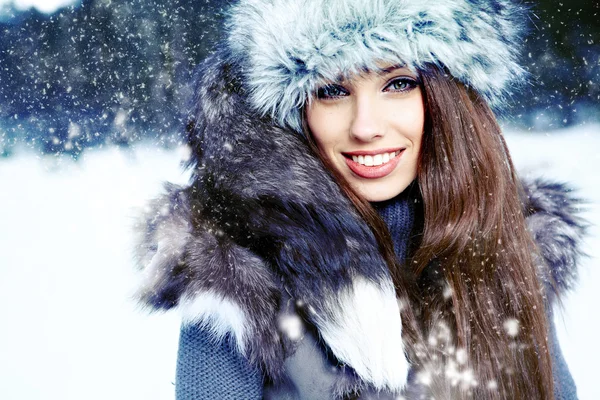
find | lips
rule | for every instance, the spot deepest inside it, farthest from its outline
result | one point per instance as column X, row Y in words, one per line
column 367, row 157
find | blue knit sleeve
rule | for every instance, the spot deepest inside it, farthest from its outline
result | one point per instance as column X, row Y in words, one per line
column 209, row 371
column 564, row 385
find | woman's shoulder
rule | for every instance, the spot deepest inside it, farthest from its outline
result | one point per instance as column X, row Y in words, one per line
column 209, row 370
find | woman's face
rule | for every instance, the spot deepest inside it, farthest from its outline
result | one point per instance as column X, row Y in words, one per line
column 370, row 127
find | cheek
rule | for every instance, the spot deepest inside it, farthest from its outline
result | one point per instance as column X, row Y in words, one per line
column 409, row 121
column 313, row 120
column 323, row 126
column 414, row 124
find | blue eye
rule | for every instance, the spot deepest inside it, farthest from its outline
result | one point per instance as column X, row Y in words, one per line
column 403, row 84
column 331, row 91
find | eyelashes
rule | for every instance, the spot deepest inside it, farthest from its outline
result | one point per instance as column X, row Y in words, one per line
column 331, row 91
column 399, row 85
column 403, row 84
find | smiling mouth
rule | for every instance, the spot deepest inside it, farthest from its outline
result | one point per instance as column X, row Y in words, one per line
column 373, row 160
column 373, row 164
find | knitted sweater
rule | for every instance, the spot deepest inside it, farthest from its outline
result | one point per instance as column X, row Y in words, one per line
column 208, row 370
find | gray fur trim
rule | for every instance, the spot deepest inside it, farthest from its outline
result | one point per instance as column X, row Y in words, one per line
column 554, row 221
column 182, row 262
column 290, row 47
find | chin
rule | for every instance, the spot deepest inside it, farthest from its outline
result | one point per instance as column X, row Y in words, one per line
column 380, row 191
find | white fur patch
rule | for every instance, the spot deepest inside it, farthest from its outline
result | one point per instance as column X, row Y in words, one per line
column 362, row 326
column 217, row 314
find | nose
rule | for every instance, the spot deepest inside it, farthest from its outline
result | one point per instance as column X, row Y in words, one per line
column 367, row 124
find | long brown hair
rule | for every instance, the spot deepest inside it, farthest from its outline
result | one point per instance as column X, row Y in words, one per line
column 477, row 321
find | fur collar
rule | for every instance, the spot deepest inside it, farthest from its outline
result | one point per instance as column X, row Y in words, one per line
column 262, row 221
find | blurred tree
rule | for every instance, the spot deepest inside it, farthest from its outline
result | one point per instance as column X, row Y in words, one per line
column 562, row 54
column 103, row 72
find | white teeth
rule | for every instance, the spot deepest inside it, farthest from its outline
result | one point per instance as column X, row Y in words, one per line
column 375, row 160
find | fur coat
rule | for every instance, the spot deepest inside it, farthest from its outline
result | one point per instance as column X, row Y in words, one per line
column 263, row 221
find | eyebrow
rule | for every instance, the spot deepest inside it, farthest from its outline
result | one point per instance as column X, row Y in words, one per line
column 384, row 71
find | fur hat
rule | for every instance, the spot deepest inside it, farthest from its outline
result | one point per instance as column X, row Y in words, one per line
column 288, row 47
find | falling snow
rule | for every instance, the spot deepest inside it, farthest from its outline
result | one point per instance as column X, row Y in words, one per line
column 511, row 326
column 291, row 325
column 120, row 70
column 106, row 83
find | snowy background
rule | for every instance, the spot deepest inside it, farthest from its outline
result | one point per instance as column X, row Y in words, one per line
column 70, row 330
column 92, row 99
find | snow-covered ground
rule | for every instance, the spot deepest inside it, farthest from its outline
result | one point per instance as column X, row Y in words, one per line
column 69, row 327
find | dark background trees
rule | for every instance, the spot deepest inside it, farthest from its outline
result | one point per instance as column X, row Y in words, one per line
column 116, row 71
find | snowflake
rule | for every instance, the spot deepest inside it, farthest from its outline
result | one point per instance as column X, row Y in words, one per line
column 511, row 326
column 291, row 325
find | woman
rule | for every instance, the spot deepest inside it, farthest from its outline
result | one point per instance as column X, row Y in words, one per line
column 354, row 227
